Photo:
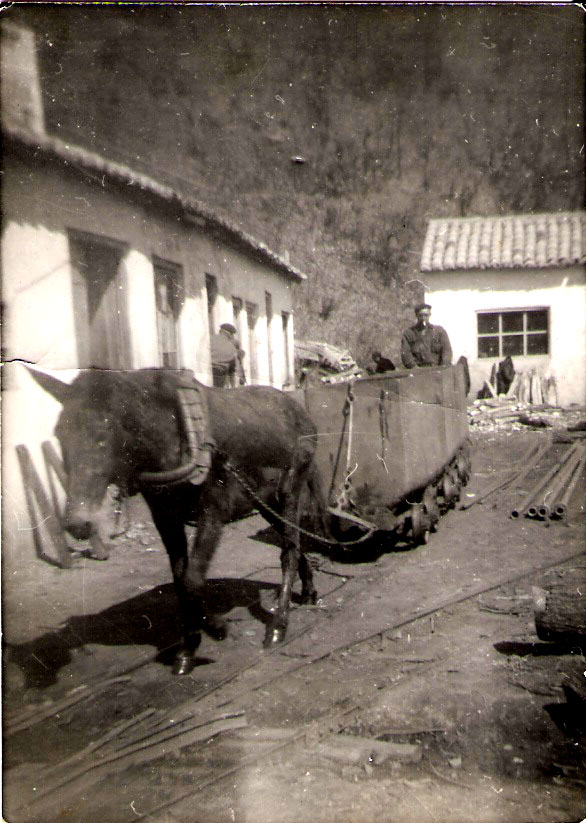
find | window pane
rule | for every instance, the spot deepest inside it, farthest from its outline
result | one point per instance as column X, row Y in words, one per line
column 537, row 320
column 488, row 323
column 512, row 321
column 512, row 344
column 537, row 343
column 488, row 347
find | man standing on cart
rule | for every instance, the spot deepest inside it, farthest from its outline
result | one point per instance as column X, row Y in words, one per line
column 424, row 344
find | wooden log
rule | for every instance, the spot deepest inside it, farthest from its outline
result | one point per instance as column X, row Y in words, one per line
column 506, row 409
column 357, row 750
column 573, row 680
column 560, row 611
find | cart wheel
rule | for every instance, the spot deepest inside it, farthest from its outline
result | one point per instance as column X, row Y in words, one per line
column 431, row 507
column 464, row 466
column 448, row 491
column 457, row 485
column 420, row 526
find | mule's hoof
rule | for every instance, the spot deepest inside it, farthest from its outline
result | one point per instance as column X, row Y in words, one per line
column 99, row 550
column 184, row 663
column 215, row 627
column 308, row 598
column 273, row 636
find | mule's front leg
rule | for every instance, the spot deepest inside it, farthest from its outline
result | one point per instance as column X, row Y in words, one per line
column 168, row 520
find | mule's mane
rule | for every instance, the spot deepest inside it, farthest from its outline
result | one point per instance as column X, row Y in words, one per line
column 141, row 405
column 117, row 390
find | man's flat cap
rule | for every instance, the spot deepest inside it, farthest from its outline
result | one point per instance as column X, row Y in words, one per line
column 228, row 327
column 420, row 306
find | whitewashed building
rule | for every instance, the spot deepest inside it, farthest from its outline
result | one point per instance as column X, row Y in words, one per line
column 512, row 285
column 102, row 266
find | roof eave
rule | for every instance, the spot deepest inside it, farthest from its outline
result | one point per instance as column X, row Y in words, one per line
column 79, row 158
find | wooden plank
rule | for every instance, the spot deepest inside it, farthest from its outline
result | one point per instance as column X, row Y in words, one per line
column 37, row 497
column 491, row 388
column 61, row 792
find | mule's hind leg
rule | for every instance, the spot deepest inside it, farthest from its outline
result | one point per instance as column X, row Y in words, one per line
column 207, row 537
column 311, row 503
column 308, row 590
column 277, row 628
column 291, row 562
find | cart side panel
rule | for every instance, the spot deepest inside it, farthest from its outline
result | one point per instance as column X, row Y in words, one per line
column 424, row 422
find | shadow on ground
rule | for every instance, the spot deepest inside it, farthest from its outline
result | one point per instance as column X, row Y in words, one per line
column 150, row 619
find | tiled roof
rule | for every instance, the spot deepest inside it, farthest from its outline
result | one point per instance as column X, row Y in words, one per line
column 80, row 158
column 524, row 241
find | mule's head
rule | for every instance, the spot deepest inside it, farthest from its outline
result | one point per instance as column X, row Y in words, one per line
column 92, row 460
column 92, row 445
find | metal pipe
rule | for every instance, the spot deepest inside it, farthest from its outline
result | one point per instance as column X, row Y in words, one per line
column 532, row 509
column 560, row 509
column 542, row 448
column 559, row 482
column 539, row 486
column 531, row 454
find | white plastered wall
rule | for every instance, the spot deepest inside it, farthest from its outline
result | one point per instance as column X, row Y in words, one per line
column 456, row 297
column 41, row 206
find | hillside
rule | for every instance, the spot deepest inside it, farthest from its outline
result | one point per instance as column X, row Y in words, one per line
column 331, row 133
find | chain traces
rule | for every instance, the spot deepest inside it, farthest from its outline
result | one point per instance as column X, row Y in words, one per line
column 327, row 540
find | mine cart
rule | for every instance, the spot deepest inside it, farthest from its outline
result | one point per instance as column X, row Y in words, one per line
column 393, row 449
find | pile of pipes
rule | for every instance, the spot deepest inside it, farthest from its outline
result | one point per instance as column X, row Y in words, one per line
column 549, row 497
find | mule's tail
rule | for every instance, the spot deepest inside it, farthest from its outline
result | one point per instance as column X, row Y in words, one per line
column 315, row 516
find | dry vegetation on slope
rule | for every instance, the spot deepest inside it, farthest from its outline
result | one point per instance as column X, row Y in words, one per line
column 398, row 114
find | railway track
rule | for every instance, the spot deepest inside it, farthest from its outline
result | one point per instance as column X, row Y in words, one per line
column 222, row 705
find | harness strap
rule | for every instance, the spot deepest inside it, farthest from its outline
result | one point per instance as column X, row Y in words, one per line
column 194, row 414
column 195, row 420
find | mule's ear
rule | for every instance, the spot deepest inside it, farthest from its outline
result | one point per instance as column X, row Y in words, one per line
column 55, row 387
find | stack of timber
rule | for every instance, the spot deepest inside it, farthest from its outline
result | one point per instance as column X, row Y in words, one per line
column 324, row 363
column 502, row 412
column 526, row 393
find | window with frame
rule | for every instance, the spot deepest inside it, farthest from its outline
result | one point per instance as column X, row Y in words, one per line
column 169, row 301
column 513, row 332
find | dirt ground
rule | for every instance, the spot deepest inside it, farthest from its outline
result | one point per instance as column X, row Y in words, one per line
column 432, row 646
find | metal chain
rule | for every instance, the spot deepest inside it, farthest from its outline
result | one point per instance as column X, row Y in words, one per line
column 328, row 540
